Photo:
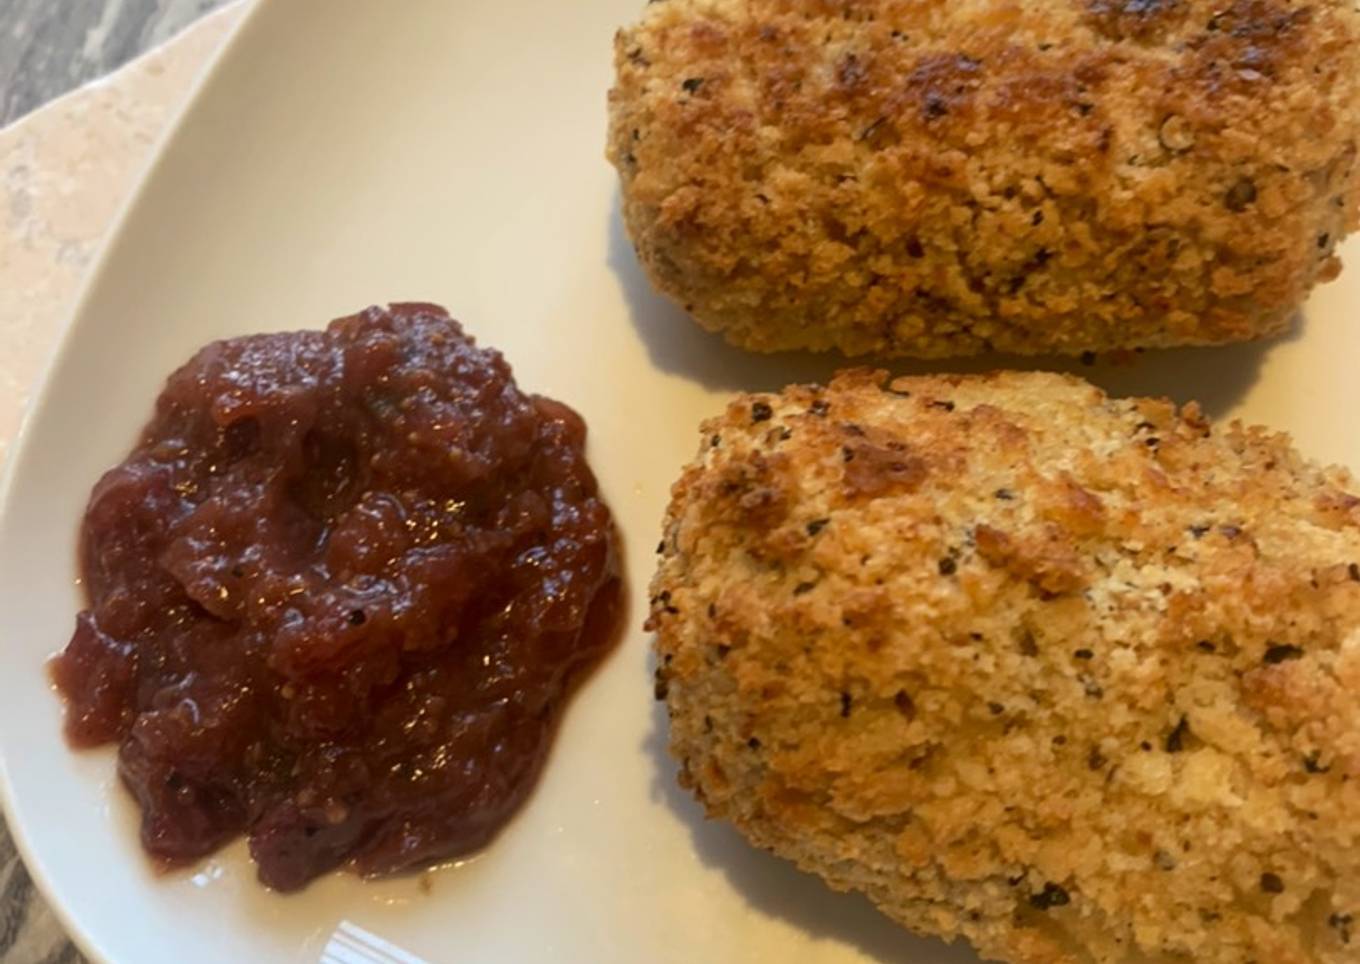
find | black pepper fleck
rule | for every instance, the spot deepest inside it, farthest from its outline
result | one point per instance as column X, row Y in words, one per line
column 692, row 84
column 1353, row 570
column 845, row 704
column 803, row 588
column 1271, row 883
column 1282, row 653
column 820, row 408
column 1051, row 896
column 817, row 525
column 1312, row 765
column 1005, row 495
column 1084, row 654
column 753, row 743
column 1341, row 923
column 761, row 412
column 357, row 617
column 948, row 566
column 1175, row 741
column 1240, row 195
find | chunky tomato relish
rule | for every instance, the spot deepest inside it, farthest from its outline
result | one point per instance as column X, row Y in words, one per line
column 337, row 594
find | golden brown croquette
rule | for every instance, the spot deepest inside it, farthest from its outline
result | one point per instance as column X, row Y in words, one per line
column 1074, row 678
column 948, row 177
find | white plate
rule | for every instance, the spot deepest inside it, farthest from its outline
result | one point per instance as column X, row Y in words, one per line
column 345, row 152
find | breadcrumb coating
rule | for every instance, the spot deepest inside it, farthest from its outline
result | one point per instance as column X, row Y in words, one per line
column 1074, row 678
column 949, row 177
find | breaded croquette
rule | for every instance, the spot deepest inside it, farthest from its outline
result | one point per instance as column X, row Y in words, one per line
column 1071, row 677
column 949, row 177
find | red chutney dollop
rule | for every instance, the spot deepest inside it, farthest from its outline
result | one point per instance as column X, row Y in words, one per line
column 337, row 593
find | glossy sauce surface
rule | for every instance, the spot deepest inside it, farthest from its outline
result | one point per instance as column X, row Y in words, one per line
column 337, row 594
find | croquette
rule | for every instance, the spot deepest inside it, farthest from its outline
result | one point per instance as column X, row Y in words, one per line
column 950, row 177
column 1071, row 677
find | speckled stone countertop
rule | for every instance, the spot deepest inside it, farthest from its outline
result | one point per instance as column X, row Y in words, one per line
column 65, row 170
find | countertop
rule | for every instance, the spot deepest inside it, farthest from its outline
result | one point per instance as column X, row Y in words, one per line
column 48, row 47
column 65, row 170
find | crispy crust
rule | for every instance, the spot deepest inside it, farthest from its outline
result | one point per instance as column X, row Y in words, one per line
column 1071, row 677
column 945, row 178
